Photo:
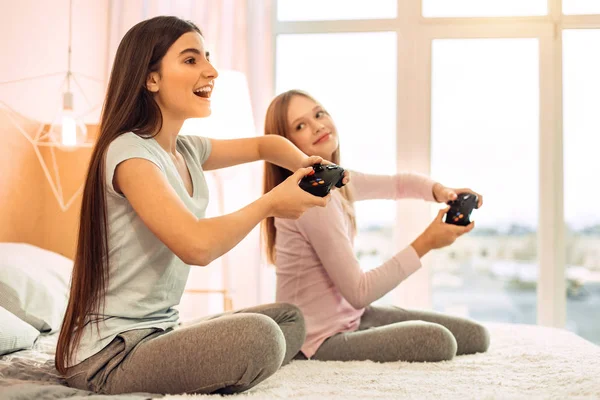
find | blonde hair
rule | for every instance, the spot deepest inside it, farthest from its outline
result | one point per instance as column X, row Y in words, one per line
column 276, row 123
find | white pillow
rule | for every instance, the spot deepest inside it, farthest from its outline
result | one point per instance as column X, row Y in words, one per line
column 14, row 333
column 34, row 284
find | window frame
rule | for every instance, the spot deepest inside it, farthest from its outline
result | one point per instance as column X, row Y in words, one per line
column 415, row 34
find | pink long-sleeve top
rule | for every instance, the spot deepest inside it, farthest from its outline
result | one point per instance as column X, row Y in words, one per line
column 317, row 269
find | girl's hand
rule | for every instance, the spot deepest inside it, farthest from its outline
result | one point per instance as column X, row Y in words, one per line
column 287, row 200
column 312, row 160
column 439, row 234
column 346, row 177
column 443, row 194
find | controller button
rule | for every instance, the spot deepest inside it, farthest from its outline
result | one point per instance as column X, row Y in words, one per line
column 322, row 182
column 460, row 216
column 315, row 183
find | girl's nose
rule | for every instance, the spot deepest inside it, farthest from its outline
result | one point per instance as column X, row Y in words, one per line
column 210, row 73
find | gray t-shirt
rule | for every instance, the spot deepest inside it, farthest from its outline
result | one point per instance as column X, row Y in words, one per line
column 146, row 279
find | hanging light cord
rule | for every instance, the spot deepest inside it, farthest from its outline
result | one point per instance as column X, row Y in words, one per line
column 70, row 74
column 70, row 40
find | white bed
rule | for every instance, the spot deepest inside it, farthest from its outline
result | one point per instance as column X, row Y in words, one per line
column 523, row 362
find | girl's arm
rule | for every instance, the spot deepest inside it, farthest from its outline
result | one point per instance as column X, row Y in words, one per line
column 200, row 241
column 404, row 185
column 272, row 148
column 325, row 229
column 392, row 187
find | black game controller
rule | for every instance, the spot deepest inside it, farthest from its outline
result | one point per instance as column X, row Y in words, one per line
column 460, row 209
column 322, row 178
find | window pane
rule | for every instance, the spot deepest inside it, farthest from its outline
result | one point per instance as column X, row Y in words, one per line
column 485, row 128
column 581, row 143
column 484, row 8
column 326, row 10
column 360, row 94
column 581, row 7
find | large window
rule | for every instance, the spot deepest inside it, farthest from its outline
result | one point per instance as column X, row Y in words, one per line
column 581, row 144
column 322, row 10
column 484, row 8
column 574, row 7
column 488, row 96
column 484, row 135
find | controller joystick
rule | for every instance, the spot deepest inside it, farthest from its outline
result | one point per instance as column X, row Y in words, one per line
column 461, row 208
column 322, row 178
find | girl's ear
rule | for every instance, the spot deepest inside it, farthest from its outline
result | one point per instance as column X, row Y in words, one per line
column 152, row 82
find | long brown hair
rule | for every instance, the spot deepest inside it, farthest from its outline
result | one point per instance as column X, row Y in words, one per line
column 276, row 123
column 128, row 107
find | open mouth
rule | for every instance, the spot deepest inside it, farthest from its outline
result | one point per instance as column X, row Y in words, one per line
column 204, row 92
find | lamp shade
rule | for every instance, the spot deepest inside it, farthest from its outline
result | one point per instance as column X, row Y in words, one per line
column 231, row 115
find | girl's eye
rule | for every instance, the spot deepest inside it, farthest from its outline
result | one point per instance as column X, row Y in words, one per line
column 319, row 114
column 190, row 61
column 300, row 126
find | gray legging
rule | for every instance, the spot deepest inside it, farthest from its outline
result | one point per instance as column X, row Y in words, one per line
column 393, row 334
column 227, row 353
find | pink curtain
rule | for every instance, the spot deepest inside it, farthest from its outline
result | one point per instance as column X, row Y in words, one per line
column 237, row 32
column 222, row 22
column 35, row 37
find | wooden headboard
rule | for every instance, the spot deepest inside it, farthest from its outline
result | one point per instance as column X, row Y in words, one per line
column 29, row 211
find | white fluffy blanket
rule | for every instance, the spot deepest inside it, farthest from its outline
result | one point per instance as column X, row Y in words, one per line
column 523, row 362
